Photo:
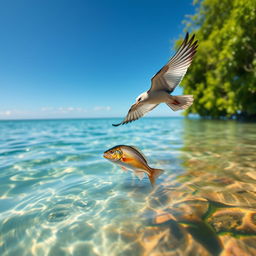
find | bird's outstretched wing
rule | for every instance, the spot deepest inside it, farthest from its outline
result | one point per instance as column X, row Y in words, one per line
column 169, row 76
column 136, row 111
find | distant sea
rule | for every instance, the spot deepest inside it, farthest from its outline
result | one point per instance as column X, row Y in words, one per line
column 59, row 196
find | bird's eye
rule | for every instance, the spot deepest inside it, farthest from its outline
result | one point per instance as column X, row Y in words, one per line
column 139, row 99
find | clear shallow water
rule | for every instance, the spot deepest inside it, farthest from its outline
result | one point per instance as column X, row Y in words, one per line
column 58, row 196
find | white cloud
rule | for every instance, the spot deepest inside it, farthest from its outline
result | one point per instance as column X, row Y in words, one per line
column 63, row 110
column 43, row 112
column 5, row 113
column 9, row 113
column 45, row 109
column 102, row 108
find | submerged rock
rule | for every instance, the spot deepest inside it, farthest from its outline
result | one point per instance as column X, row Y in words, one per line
column 201, row 214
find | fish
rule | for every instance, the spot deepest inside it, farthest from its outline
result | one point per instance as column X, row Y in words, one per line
column 130, row 158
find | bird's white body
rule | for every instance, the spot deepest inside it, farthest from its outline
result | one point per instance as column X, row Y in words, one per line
column 157, row 97
column 174, row 102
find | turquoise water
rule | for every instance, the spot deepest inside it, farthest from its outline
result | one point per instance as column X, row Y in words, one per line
column 59, row 196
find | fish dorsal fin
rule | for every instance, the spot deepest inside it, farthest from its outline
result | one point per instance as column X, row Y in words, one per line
column 143, row 156
column 139, row 174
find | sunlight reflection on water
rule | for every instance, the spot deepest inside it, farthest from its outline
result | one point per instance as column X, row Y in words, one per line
column 58, row 196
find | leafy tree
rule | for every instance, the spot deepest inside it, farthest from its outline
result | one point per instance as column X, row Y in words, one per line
column 222, row 77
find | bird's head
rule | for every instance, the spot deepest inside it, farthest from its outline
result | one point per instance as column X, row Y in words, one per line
column 142, row 97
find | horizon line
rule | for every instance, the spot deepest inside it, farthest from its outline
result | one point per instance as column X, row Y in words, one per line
column 81, row 118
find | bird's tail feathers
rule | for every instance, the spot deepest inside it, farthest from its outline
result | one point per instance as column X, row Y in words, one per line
column 180, row 102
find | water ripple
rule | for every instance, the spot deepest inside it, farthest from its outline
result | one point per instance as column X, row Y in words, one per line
column 58, row 196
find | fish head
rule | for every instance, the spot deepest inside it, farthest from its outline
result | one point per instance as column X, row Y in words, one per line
column 113, row 154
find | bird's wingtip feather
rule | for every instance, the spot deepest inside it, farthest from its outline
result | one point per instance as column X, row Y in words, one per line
column 116, row 124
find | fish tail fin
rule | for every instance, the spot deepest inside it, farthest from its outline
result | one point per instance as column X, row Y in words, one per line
column 154, row 175
column 180, row 102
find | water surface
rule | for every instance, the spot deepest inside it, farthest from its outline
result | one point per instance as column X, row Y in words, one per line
column 58, row 196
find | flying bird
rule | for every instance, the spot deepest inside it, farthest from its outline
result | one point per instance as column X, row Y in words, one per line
column 164, row 82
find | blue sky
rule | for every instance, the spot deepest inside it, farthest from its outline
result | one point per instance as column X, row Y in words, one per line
column 62, row 58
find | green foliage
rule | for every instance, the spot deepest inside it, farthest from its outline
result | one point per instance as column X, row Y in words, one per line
column 222, row 77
